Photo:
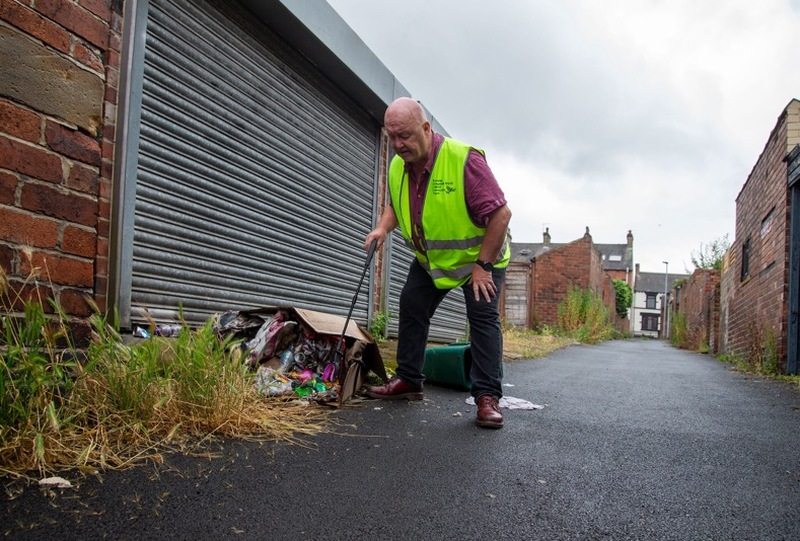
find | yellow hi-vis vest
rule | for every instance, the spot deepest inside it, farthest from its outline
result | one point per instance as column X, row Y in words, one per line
column 452, row 240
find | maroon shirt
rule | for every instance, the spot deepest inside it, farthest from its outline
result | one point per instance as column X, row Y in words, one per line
column 482, row 192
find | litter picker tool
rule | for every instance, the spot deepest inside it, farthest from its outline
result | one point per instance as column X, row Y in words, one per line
column 341, row 347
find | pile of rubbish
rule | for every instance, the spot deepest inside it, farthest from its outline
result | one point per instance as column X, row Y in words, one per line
column 296, row 352
column 289, row 357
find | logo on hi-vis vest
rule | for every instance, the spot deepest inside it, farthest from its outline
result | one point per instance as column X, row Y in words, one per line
column 441, row 186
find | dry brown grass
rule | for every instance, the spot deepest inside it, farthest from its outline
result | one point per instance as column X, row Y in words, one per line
column 115, row 405
column 517, row 345
column 522, row 344
column 118, row 444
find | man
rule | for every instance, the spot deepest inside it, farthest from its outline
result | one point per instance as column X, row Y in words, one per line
column 453, row 215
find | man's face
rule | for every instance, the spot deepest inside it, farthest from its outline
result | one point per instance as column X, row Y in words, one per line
column 410, row 139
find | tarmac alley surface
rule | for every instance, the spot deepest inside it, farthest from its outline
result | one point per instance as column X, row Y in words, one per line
column 637, row 440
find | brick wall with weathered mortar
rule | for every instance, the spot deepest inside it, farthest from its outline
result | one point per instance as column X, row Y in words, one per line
column 698, row 305
column 57, row 127
column 576, row 264
column 380, row 296
column 755, row 308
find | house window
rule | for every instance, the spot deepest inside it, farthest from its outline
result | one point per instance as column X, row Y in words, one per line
column 651, row 301
column 745, row 259
column 650, row 322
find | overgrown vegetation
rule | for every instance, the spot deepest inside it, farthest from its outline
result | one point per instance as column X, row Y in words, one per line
column 379, row 325
column 518, row 344
column 710, row 256
column 528, row 344
column 761, row 358
column 584, row 317
column 117, row 404
column 684, row 337
column 624, row 297
column 679, row 335
column 769, row 354
column 758, row 369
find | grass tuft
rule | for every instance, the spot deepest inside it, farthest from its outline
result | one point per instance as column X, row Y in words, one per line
column 118, row 404
column 584, row 317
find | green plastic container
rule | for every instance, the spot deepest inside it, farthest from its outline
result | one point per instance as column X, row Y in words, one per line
column 449, row 366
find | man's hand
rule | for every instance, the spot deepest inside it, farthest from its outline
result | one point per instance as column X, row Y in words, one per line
column 377, row 235
column 385, row 226
column 482, row 284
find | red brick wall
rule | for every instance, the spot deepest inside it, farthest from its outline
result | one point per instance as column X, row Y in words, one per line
column 379, row 299
column 727, row 283
column 698, row 305
column 757, row 306
column 577, row 264
column 621, row 275
column 714, row 321
column 57, row 129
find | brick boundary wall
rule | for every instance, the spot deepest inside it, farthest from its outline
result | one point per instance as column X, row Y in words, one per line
column 380, row 295
column 57, row 131
column 699, row 299
column 714, row 320
column 726, row 288
column 576, row 264
column 754, row 309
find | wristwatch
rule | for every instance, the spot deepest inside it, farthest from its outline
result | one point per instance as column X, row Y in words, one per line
column 488, row 266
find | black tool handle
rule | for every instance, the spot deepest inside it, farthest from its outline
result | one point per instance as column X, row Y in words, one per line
column 340, row 347
column 370, row 253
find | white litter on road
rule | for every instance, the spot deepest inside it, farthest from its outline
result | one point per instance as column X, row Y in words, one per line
column 55, row 482
column 512, row 403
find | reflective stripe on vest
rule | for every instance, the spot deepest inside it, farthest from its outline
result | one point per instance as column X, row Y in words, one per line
column 452, row 241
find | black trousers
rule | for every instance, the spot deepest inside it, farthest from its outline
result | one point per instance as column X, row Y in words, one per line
column 418, row 302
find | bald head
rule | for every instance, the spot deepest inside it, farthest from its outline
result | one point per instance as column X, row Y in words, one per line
column 409, row 130
column 405, row 108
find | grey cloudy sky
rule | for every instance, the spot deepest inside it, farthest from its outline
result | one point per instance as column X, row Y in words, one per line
column 642, row 115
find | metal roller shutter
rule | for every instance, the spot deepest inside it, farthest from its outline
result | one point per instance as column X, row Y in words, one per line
column 255, row 174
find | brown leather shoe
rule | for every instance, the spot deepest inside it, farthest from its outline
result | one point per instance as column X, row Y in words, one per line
column 489, row 415
column 395, row 390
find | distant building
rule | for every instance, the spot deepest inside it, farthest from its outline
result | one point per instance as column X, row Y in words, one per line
column 540, row 274
column 647, row 317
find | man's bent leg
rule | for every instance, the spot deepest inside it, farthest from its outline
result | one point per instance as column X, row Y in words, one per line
column 486, row 340
column 418, row 302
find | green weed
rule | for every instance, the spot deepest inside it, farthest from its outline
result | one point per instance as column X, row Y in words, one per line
column 680, row 333
column 119, row 402
column 379, row 325
column 584, row 317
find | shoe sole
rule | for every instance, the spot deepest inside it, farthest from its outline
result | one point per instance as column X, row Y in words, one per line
column 489, row 424
column 407, row 396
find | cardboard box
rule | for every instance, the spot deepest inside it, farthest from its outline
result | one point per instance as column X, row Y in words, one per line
column 362, row 354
